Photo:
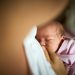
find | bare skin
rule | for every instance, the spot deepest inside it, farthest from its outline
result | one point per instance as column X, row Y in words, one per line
column 49, row 37
column 16, row 23
column 56, row 62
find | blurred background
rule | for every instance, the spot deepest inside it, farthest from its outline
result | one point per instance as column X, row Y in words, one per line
column 14, row 21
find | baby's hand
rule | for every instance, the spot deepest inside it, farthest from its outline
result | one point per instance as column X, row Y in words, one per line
column 56, row 63
column 46, row 53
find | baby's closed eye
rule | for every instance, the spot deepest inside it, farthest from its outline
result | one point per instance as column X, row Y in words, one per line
column 48, row 40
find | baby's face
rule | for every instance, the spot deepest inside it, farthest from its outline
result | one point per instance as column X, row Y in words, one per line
column 49, row 38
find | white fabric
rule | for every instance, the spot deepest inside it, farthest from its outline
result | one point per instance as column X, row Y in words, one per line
column 35, row 55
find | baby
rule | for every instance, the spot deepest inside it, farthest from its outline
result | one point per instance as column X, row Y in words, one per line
column 52, row 36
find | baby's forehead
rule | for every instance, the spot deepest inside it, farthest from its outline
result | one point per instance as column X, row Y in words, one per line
column 51, row 29
column 54, row 27
column 47, row 33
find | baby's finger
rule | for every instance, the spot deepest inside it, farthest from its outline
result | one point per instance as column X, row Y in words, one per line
column 46, row 54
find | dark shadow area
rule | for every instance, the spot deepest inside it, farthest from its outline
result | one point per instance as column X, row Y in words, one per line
column 67, row 18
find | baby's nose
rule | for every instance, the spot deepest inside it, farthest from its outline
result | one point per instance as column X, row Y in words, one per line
column 42, row 43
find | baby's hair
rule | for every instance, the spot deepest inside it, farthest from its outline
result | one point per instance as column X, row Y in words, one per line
column 59, row 27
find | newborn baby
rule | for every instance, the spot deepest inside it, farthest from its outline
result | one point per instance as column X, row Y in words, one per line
column 52, row 37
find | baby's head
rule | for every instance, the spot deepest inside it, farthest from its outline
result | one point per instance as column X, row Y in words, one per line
column 50, row 35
